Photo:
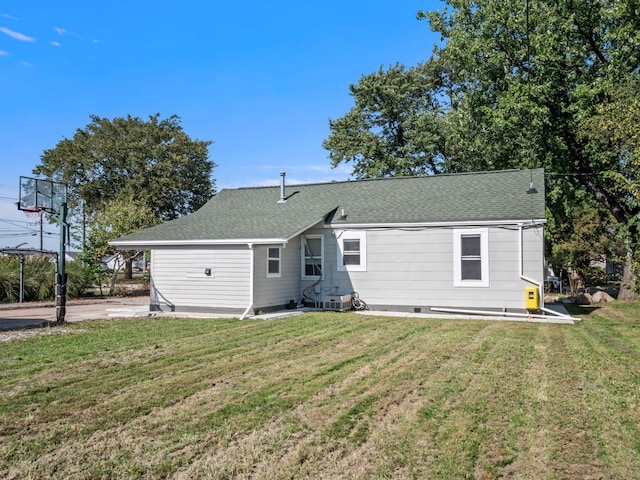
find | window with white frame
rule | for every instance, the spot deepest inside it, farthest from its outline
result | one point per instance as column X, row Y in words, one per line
column 273, row 262
column 352, row 251
column 312, row 256
column 471, row 257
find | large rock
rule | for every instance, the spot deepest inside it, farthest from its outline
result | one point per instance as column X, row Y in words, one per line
column 583, row 299
column 601, row 297
column 552, row 299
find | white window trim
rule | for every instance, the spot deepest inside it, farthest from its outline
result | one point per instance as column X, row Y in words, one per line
column 362, row 236
column 303, row 255
column 457, row 257
column 279, row 274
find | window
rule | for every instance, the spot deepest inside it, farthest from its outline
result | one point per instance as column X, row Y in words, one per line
column 471, row 257
column 352, row 251
column 273, row 262
column 312, row 256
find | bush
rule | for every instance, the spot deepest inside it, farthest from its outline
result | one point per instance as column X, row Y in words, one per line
column 9, row 279
column 39, row 278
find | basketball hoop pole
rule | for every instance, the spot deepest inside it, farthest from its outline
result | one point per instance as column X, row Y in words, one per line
column 61, row 276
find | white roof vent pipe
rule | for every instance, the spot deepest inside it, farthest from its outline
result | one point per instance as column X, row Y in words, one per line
column 283, row 198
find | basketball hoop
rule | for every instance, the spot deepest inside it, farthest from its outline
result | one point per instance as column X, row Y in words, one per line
column 37, row 195
column 33, row 214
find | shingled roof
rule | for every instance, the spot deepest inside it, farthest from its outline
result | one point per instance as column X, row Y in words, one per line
column 254, row 214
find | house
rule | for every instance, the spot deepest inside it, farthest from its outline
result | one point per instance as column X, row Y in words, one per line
column 461, row 241
column 117, row 262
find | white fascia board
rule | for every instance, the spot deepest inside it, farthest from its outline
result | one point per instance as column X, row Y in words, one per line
column 140, row 245
column 137, row 245
column 483, row 223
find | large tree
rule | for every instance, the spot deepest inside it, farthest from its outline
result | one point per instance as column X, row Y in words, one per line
column 392, row 128
column 155, row 159
column 528, row 83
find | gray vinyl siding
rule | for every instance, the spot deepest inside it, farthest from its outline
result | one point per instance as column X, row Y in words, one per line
column 178, row 278
column 277, row 291
column 412, row 269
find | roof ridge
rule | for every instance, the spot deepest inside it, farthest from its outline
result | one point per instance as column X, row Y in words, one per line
column 375, row 179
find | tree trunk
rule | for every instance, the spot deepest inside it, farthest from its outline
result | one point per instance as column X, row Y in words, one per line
column 114, row 277
column 628, row 282
column 128, row 269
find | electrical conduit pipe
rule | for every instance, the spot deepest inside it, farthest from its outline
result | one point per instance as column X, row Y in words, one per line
column 251, row 268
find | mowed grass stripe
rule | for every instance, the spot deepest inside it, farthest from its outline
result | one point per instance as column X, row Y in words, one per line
column 609, row 371
column 323, row 395
column 465, row 419
column 126, row 403
column 338, row 418
column 339, row 371
column 139, row 362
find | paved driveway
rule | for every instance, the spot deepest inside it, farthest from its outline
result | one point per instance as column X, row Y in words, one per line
column 28, row 315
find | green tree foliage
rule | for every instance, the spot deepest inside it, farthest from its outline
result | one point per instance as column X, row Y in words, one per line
column 155, row 159
column 591, row 238
column 127, row 213
column 391, row 129
column 520, row 84
column 611, row 133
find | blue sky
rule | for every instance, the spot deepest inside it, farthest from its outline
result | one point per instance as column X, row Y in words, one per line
column 259, row 79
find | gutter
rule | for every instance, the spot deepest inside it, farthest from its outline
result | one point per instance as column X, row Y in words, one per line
column 148, row 245
column 251, row 281
column 420, row 225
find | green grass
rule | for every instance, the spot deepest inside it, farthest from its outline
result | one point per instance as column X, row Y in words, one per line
column 325, row 395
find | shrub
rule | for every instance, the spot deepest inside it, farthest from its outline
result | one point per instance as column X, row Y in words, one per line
column 39, row 278
column 9, row 279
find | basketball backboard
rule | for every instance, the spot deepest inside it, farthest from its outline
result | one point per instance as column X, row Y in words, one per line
column 37, row 194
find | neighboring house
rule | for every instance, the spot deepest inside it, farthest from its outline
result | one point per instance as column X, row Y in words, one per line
column 113, row 262
column 472, row 241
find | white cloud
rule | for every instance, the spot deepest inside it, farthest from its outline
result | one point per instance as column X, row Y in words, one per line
column 17, row 35
column 60, row 31
column 4, row 53
column 7, row 16
column 56, row 44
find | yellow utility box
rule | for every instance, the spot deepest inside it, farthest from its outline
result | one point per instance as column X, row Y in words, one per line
column 532, row 299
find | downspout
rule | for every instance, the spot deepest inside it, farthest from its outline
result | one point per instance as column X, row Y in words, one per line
column 521, row 258
column 251, row 280
column 522, row 275
column 532, row 281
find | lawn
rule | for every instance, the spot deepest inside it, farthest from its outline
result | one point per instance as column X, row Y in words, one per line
column 324, row 395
